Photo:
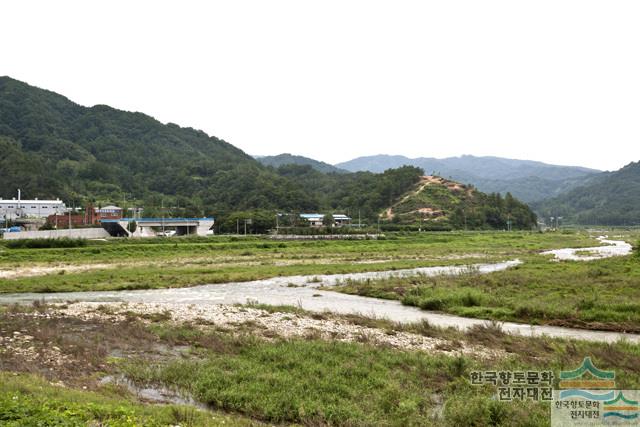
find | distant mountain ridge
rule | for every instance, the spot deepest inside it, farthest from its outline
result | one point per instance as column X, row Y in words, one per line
column 53, row 147
column 290, row 159
column 526, row 179
column 609, row 198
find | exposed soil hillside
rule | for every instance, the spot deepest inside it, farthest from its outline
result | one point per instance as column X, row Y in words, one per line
column 439, row 201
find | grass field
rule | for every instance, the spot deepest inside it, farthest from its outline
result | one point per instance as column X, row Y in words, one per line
column 156, row 263
column 602, row 294
column 285, row 366
column 28, row 399
column 245, row 375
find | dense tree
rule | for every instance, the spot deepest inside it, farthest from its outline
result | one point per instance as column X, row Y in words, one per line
column 52, row 147
column 611, row 198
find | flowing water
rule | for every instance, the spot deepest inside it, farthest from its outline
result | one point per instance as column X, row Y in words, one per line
column 611, row 248
column 303, row 291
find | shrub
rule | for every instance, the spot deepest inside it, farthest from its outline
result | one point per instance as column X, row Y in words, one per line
column 528, row 311
column 64, row 242
column 471, row 299
column 432, row 304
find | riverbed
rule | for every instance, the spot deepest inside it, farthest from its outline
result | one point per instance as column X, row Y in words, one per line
column 303, row 291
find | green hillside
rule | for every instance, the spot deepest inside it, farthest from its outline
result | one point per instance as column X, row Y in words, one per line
column 527, row 180
column 290, row 159
column 52, row 147
column 611, row 198
column 437, row 202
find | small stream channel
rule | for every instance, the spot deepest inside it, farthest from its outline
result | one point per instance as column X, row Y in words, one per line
column 303, row 291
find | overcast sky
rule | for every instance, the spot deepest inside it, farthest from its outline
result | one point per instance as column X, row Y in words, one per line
column 557, row 81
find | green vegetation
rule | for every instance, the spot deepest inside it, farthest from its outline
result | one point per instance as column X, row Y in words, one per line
column 52, row 147
column 361, row 192
column 290, row 159
column 29, row 400
column 245, row 378
column 155, row 263
column 527, row 180
column 45, row 243
column 311, row 380
column 438, row 202
column 305, row 381
column 602, row 294
column 609, row 198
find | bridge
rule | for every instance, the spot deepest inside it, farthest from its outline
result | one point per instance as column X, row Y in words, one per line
column 149, row 227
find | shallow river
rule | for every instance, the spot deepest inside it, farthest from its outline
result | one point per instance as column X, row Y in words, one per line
column 610, row 248
column 303, row 291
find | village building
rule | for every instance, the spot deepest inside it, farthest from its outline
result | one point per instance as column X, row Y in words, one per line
column 314, row 219
column 15, row 209
column 90, row 217
column 108, row 212
column 340, row 219
column 317, row 220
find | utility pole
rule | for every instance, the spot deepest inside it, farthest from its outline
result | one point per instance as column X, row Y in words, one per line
column 359, row 225
column 277, row 223
column 238, row 226
column 378, row 224
column 245, row 227
column 162, row 213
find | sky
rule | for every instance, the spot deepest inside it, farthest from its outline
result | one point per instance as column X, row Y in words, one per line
column 556, row 81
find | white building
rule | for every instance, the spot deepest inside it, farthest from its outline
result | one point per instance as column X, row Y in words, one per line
column 14, row 209
column 340, row 219
column 109, row 211
column 314, row 219
column 317, row 220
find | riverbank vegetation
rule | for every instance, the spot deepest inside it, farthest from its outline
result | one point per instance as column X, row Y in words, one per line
column 245, row 374
column 601, row 294
column 157, row 263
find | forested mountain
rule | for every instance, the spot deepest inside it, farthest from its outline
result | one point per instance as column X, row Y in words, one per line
column 365, row 192
column 435, row 202
column 52, row 147
column 290, row 159
column 611, row 198
column 527, row 180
